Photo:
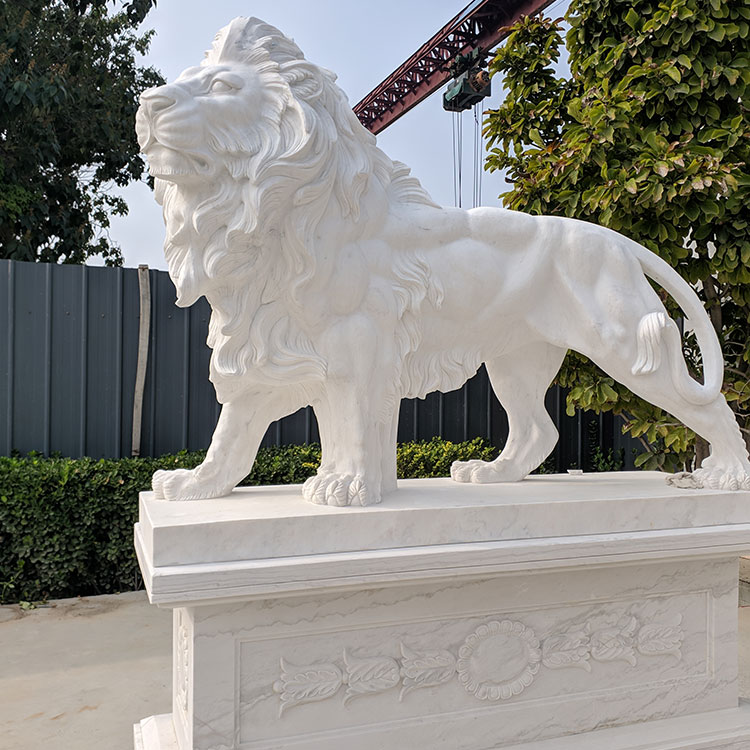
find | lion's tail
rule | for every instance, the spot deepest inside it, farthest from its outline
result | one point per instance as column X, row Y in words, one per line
column 655, row 325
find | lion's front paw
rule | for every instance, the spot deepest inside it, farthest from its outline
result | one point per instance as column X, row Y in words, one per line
column 184, row 484
column 713, row 478
column 330, row 488
column 485, row 472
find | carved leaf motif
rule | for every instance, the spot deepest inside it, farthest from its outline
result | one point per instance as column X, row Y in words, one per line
column 656, row 639
column 616, row 643
column 422, row 669
column 306, row 684
column 569, row 649
column 369, row 675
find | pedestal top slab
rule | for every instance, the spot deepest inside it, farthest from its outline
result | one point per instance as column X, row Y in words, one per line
column 268, row 541
column 255, row 523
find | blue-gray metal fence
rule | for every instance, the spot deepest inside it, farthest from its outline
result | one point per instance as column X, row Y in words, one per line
column 69, row 341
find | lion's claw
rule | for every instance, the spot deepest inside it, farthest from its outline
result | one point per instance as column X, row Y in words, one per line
column 461, row 470
column 330, row 488
column 337, row 491
column 713, row 478
column 310, row 491
column 358, row 493
column 485, row 472
column 157, row 484
column 184, row 484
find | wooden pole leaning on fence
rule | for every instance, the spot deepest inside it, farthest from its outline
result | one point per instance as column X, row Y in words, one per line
column 144, row 331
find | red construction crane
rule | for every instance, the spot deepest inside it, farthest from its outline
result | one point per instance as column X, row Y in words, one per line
column 481, row 25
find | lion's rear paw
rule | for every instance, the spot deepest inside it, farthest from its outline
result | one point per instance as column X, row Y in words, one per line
column 485, row 472
column 329, row 488
column 184, row 484
column 714, row 478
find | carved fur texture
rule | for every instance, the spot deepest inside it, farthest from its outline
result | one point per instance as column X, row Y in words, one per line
column 334, row 280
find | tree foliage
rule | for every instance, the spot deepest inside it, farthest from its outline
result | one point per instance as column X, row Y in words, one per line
column 650, row 135
column 69, row 87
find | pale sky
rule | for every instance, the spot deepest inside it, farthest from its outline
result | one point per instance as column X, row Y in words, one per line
column 362, row 43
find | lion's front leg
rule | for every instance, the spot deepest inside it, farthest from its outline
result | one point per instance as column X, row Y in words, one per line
column 230, row 457
column 350, row 472
column 354, row 405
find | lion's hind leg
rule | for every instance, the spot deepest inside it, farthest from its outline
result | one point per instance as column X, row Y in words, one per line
column 727, row 467
column 649, row 370
column 520, row 380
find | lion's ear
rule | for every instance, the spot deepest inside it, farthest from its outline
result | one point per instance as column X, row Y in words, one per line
column 305, row 81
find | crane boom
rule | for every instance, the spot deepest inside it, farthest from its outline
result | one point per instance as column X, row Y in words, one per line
column 481, row 24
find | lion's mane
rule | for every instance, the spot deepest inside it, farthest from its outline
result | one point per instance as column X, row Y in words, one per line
column 256, row 232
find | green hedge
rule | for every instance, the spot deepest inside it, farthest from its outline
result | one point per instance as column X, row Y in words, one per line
column 66, row 525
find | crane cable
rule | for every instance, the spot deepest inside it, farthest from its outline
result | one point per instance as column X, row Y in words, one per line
column 458, row 147
column 457, row 128
column 478, row 152
column 476, row 201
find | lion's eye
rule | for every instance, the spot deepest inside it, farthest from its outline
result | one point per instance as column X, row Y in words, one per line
column 221, row 87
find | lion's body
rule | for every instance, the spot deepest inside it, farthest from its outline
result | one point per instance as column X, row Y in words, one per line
column 336, row 281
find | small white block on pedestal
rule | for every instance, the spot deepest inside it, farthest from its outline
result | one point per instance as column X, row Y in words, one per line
column 155, row 733
column 463, row 617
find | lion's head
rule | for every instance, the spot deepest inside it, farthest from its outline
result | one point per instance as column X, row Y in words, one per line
column 232, row 112
column 252, row 135
column 249, row 151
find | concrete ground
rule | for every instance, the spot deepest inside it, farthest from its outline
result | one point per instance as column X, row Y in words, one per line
column 78, row 673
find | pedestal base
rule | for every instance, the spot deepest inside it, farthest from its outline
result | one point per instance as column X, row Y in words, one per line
column 717, row 730
column 452, row 618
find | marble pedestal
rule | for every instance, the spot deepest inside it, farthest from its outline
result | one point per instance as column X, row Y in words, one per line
column 561, row 613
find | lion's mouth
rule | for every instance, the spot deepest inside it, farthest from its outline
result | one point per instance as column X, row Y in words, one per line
column 170, row 164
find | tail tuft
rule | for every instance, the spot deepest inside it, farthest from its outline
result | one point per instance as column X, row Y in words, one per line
column 649, row 342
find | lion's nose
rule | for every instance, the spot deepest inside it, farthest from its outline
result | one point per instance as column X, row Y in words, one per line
column 157, row 101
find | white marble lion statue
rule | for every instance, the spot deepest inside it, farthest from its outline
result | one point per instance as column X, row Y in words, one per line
column 336, row 281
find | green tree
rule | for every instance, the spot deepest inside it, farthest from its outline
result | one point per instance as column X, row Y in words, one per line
column 650, row 135
column 69, row 87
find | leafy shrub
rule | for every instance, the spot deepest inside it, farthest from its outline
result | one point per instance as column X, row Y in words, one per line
column 66, row 525
column 434, row 457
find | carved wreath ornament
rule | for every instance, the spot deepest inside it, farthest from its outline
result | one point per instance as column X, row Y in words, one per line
column 496, row 662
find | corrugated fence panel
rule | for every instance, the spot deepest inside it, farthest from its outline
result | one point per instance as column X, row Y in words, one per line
column 104, row 362
column 68, row 358
column 31, row 368
column 7, row 346
column 203, row 408
column 169, row 370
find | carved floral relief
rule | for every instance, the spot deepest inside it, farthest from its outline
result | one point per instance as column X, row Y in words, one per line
column 307, row 684
column 497, row 661
column 423, row 669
